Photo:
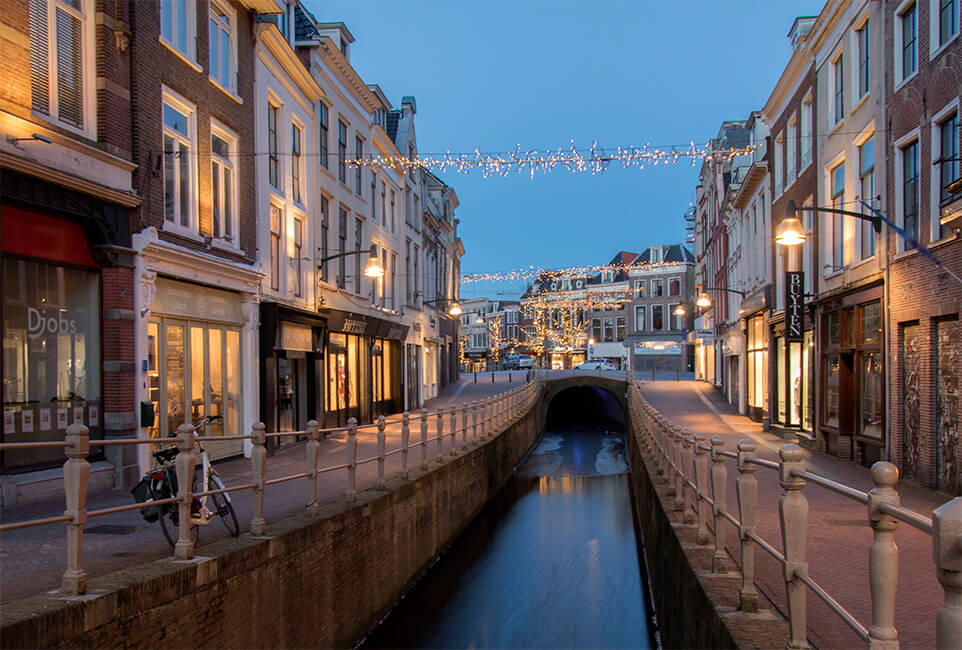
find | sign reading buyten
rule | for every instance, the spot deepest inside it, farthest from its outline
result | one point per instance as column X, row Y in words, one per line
column 794, row 305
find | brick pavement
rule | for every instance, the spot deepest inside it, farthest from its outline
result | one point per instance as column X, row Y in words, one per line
column 838, row 533
column 32, row 559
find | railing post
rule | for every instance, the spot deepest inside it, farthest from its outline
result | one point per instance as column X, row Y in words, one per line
column 440, row 435
column 258, row 464
column 474, row 421
column 424, row 439
column 947, row 553
column 313, row 448
column 747, row 491
column 351, row 459
column 883, row 564
column 464, row 426
column 793, row 514
column 701, row 481
column 76, row 479
column 454, row 431
column 405, row 437
column 484, row 414
column 185, row 462
column 719, row 495
column 687, row 467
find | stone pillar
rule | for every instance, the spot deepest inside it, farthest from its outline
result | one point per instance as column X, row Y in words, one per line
column 424, row 439
column 76, row 478
column 719, row 494
column 701, row 481
column 258, row 458
column 313, row 449
column 883, row 558
column 185, row 462
column 747, row 490
column 405, row 434
column 351, row 459
column 793, row 515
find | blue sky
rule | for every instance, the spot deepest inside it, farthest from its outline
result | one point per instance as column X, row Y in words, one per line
column 494, row 74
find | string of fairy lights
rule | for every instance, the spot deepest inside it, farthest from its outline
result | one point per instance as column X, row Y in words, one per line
column 571, row 272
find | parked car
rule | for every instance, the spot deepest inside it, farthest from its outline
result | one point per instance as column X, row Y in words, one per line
column 596, row 364
column 518, row 362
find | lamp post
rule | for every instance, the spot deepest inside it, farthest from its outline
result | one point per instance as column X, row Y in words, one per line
column 372, row 269
column 454, row 309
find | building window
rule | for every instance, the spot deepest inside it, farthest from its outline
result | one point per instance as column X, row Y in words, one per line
column 641, row 289
column 838, row 222
column 272, row 175
column 384, row 217
column 656, row 255
column 838, row 71
column 177, row 19
column 222, row 54
column 866, row 165
column 640, row 324
column 373, row 197
column 948, row 20
column 674, row 286
column 325, row 229
column 673, row 318
column 805, row 132
column 609, row 330
column 358, row 231
column 57, row 79
column 275, row 247
column 408, row 279
column 862, row 39
column 948, row 139
column 657, row 288
column 393, row 279
column 657, row 317
column 358, row 154
column 298, row 260
column 342, row 248
column 342, row 152
column 179, row 133
column 620, row 328
column 296, row 163
column 910, row 193
column 417, row 276
column 322, row 151
column 223, row 153
column 906, row 60
column 393, row 213
column 791, row 148
column 757, row 363
column 778, row 162
column 596, row 332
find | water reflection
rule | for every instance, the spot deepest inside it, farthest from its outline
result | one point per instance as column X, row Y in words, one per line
column 551, row 562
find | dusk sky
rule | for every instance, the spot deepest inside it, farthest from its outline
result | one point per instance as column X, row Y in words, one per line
column 492, row 75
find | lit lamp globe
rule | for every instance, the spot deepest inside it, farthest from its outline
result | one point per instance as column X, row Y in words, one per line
column 454, row 309
column 703, row 300
column 790, row 231
column 679, row 310
column 373, row 268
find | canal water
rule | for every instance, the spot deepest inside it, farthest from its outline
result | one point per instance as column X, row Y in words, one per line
column 551, row 562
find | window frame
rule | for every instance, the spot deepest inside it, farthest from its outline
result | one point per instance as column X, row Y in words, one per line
column 230, row 234
column 837, row 196
column 189, row 110
column 899, row 45
column 936, row 8
column 273, row 159
column 863, row 173
column 324, row 135
column 643, row 310
column 230, row 83
column 299, row 229
column 911, row 139
column 863, row 61
column 275, row 250
column 791, row 149
column 949, row 112
column 838, row 89
column 805, row 118
column 297, row 162
column 358, row 154
column 342, row 129
column 189, row 53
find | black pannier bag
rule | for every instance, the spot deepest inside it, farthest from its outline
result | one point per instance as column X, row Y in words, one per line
column 142, row 494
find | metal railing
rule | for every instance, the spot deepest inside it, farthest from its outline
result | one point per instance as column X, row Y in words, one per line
column 697, row 477
column 479, row 420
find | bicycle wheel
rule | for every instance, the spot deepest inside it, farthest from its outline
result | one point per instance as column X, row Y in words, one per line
column 170, row 524
column 223, row 506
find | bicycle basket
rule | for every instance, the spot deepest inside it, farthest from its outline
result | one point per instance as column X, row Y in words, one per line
column 142, row 494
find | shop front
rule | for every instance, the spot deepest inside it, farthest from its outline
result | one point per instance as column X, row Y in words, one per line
column 852, row 419
column 363, row 362
column 195, row 362
column 756, row 367
column 793, row 379
column 52, row 330
column 659, row 354
column 703, row 341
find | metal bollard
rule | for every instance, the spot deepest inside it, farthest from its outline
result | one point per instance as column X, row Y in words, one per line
column 184, row 463
column 793, row 513
column 509, row 378
column 719, row 493
column 492, row 376
column 76, row 478
column 351, row 459
column 258, row 458
column 424, row 439
column 475, row 376
column 747, row 490
column 653, row 374
column 405, row 435
column 313, row 448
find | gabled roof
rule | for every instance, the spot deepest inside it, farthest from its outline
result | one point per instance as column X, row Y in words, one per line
column 672, row 253
column 304, row 28
column 624, row 257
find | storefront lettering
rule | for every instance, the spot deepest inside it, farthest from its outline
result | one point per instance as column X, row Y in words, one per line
column 38, row 324
column 794, row 305
column 354, row 326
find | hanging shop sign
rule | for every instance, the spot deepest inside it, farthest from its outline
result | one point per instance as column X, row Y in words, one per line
column 294, row 336
column 794, row 306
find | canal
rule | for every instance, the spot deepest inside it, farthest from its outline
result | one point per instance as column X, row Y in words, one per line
column 553, row 561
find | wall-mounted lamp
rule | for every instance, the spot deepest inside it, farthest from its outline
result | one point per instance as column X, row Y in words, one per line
column 33, row 136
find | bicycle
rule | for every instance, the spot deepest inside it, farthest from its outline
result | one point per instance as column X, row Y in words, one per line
column 161, row 483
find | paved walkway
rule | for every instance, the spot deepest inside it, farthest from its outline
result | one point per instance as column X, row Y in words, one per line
column 32, row 560
column 838, row 533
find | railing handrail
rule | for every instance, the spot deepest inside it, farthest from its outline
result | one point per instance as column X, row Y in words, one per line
column 675, row 455
column 493, row 415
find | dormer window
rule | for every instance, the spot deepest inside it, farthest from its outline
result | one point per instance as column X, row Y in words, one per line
column 657, row 255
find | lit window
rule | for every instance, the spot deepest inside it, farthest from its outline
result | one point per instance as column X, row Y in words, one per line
column 223, row 153
column 179, row 183
column 222, row 55
column 948, row 140
column 177, row 19
column 57, row 82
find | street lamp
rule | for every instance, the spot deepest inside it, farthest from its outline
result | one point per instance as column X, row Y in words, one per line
column 372, row 269
column 453, row 310
column 679, row 310
column 704, row 300
column 790, row 232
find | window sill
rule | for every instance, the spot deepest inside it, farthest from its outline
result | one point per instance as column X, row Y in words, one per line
column 937, row 51
column 938, row 243
column 66, row 126
column 904, row 81
column 182, row 231
column 859, row 103
column 837, row 127
column 226, row 245
column 327, row 172
column 226, row 91
column 905, row 254
column 181, row 55
column 862, row 262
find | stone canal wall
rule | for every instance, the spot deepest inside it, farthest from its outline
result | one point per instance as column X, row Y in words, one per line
column 695, row 608
column 309, row 582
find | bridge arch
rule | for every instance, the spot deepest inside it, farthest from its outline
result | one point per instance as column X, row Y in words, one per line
column 591, row 397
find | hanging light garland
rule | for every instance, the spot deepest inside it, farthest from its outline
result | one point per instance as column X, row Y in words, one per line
column 594, row 159
column 549, row 274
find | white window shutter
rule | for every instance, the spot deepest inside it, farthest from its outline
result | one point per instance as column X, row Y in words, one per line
column 70, row 68
column 39, row 56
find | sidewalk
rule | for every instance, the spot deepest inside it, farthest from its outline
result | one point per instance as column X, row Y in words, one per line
column 32, row 560
column 838, row 531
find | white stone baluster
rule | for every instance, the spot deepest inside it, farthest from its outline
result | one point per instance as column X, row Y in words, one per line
column 76, row 479
column 719, row 495
column 351, row 459
column 440, row 435
column 947, row 552
column 258, row 467
column 184, row 463
column 405, row 437
column 313, row 449
column 883, row 563
column 424, row 439
column 701, row 491
column 793, row 515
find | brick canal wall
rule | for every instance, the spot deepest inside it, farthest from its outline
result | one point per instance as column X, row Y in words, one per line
column 695, row 608
column 310, row 582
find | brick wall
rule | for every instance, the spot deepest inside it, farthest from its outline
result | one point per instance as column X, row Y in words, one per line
column 919, row 292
